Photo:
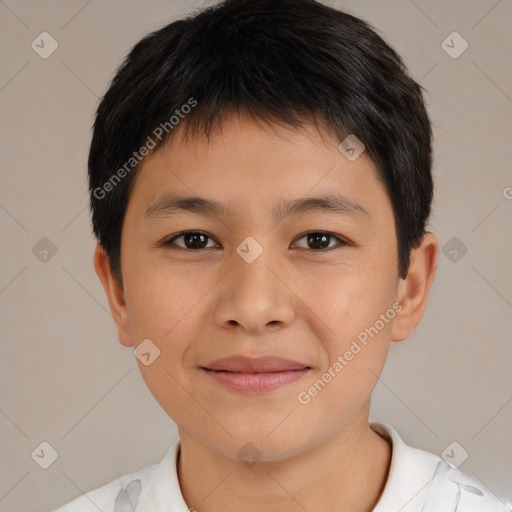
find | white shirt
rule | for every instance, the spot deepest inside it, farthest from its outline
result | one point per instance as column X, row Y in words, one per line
column 418, row 481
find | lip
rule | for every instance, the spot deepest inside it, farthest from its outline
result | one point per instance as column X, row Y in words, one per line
column 262, row 364
column 255, row 375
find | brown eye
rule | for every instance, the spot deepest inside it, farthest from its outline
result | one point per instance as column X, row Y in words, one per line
column 320, row 240
column 192, row 240
column 197, row 240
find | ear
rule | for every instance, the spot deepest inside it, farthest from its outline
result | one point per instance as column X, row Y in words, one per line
column 413, row 290
column 114, row 295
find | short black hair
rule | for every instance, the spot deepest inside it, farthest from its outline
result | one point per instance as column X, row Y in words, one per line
column 280, row 61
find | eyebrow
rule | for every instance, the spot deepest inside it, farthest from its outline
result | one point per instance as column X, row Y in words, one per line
column 328, row 203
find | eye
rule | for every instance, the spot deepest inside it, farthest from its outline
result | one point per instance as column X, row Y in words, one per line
column 319, row 240
column 192, row 240
column 196, row 240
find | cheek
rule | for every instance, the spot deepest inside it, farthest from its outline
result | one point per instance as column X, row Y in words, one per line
column 159, row 302
column 363, row 320
column 164, row 309
column 348, row 300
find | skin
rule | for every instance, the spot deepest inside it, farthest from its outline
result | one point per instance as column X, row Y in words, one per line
column 293, row 301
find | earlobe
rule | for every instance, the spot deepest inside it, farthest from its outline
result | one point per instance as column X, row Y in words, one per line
column 115, row 296
column 414, row 289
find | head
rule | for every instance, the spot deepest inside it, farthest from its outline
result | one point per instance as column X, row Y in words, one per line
column 245, row 104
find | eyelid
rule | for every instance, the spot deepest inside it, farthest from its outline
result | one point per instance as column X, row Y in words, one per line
column 341, row 241
column 170, row 241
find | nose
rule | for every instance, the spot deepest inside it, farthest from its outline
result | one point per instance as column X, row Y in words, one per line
column 255, row 297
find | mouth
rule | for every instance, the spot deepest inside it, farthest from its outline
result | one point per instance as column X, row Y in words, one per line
column 255, row 375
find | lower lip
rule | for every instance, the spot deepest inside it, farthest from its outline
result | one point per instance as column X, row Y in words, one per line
column 256, row 382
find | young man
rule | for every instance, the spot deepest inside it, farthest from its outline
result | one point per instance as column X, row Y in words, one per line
column 260, row 179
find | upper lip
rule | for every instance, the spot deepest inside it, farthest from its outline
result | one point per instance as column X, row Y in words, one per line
column 264, row 364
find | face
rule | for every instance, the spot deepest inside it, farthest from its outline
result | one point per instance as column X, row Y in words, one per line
column 257, row 277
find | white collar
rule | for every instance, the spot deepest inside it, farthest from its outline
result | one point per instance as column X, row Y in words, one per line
column 409, row 484
column 410, row 473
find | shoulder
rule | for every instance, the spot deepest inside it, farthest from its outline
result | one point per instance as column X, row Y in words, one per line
column 420, row 480
column 152, row 488
column 114, row 496
column 460, row 491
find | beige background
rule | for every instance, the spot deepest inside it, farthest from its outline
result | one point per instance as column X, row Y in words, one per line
column 64, row 377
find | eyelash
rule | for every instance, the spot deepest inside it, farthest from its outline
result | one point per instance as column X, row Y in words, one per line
column 169, row 243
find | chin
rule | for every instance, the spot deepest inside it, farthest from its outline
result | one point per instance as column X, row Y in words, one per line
column 258, row 445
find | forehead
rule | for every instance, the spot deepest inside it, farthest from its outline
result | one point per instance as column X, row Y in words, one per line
column 246, row 163
column 241, row 134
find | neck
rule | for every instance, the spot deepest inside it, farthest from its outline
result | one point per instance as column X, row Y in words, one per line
column 348, row 471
